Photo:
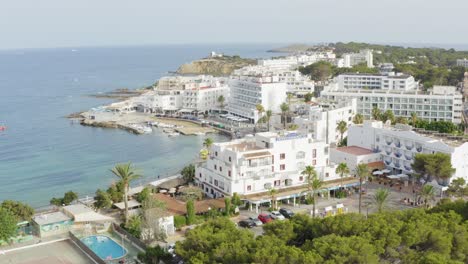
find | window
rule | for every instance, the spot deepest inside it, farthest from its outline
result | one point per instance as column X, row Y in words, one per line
column 220, row 168
column 301, row 178
column 216, row 167
column 229, row 173
column 216, row 153
column 327, row 175
column 277, row 183
column 230, row 159
column 249, row 187
column 314, row 162
column 282, row 167
column 314, row 153
column 199, row 175
column 216, row 182
column 282, row 156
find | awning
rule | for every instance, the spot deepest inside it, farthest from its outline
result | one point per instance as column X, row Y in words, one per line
column 386, row 171
column 377, row 173
column 131, row 204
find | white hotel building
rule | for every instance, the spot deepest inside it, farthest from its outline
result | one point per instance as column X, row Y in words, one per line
column 258, row 163
column 389, row 81
column 364, row 56
column 322, row 118
column 247, row 91
column 399, row 144
column 301, row 59
column 441, row 104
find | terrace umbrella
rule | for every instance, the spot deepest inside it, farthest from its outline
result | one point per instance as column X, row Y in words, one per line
column 377, row 173
column 386, row 171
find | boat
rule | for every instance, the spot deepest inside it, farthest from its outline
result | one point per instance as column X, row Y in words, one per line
column 199, row 133
column 3, row 128
column 173, row 134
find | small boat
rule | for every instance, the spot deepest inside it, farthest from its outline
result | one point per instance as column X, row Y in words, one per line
column 3, row 128
column 173, row 134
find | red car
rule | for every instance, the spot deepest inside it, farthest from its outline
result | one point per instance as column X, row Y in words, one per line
column 265, row 218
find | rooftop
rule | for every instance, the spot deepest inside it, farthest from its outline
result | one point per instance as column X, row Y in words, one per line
column 355, row 150
column 243, row 146
column 50, row 218
column 257, row 154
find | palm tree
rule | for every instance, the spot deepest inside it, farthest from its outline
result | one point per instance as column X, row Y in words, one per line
column 268, row 115
column 207, row 143
column 362, row 171
column 260, row 110
column 221, row 101
column 311, row 174
column 272, row 192
column 358, row 119
column 427, row 193
column 388, row 115
column 414, row 119
column 316, row 185
column 401, row 120
column 376, row 113
column 284, row 110
column 380, row 198
column 289, row 97
column 342, row 169
column 342, row 127
column 126, row 173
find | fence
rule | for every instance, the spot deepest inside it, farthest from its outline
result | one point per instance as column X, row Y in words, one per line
column 86, row 249
column 135, row 241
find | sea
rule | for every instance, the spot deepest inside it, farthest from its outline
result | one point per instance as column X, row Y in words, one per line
column 43, row 154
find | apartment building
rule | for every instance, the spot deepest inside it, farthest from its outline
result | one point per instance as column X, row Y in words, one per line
column 247, row 91
column 321, row 119
column 256, row 164
column 439, row 104
column 390, row 81
column 364, row 56
column 204, row 99
column 300, row 59
column 399, row 144
column 462, row 62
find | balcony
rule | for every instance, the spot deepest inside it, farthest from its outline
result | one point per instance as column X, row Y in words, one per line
column 387, row 162
column 398, row 144
column 419, row 149
column 376, row 150
column 397, row 164
column 388, row 151
column 389, row 142
column 409, row 147
column 408, row 168
column 397, row 154
column 408, row 156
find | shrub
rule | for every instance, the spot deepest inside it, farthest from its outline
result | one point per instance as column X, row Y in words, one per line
column 179, row 221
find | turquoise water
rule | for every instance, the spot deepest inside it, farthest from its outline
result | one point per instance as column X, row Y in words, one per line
column 43, row 154
column 105, row 247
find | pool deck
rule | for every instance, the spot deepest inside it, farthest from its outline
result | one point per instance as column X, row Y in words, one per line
column 61, row 252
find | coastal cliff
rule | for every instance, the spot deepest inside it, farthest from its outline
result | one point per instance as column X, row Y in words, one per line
column 215, row 66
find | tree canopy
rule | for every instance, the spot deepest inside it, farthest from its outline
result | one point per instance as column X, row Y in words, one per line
column 22, row 212
column 439, row 235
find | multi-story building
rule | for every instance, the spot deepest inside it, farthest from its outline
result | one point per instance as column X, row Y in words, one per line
column 390, row 81
column 440, row 104
column 296, row 83
column 259, row 163
column 321, row 119
column 204, row 99
column 247, row 91
column 399, row 144
column 364, row 56
column 301, row 59
column 352, row 156
column 462, row 62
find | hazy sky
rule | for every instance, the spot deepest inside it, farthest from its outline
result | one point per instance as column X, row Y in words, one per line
column 57, row 23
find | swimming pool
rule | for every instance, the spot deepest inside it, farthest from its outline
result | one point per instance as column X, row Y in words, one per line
column 105, row 247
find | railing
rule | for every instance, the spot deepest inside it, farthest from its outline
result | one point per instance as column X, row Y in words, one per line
column 408, row 157
column 397, row 154
column 408, row 168
column 409, row 147
column 86, row 249
column 398, row 144
column 388, row 162
column 123, row 233
column 388, row 151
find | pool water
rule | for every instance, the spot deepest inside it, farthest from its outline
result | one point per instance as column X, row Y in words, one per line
column 105, row 247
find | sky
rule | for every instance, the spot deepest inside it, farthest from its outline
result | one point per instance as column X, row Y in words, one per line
column 74, row 23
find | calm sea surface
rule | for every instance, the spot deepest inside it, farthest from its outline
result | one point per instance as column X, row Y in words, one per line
column 43, row 154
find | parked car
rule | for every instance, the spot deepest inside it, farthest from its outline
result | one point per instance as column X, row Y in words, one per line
column 247, row 223
column 256, row 221
column 265, row 218
column 171, row 249
column 286, row 212
column 276, row 215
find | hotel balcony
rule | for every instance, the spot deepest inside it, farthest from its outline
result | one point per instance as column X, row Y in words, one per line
column 408, row 168
column 398, row 144
column 389, row 142
column 409, row 147
column 419, row 149
column 397, row 164
column 388, row 162
column 397, row 154
column 388, row 151
column 408, row 156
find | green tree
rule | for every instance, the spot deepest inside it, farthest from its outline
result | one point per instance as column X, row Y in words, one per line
column 133, row 225
column 342, row 169
column 227, row 206
column 260, row 109
column 221, row 101
column 236, row 200
column 358, row 119
column 207, row 143
column 126, row 174
column 8, row 223
column 188, row 173
column 433, row 166
column 401, row 120
column 342, row 127
column 155, row 255
column 376, row 113
column 268, row 115
column 289, row 97
column 319, row 71
column 380, row 198
column 190, row 212
column 414, row 118
column 22, row 211
column 458, row 186
column 427, row 193
column 388, row 115
column 116, row 192
column 102, row 200
column 362, row 172
column 284, row 113
column 143, row 195
column 69, row 197
column 308, row 97
column 313, row 184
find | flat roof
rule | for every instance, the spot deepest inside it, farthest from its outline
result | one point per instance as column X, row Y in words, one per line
column 131, row 204
column 355, row 150
column 243, row 146
column 257, row 154
column 50, row 218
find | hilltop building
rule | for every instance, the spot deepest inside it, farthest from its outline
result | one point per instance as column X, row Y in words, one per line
column 462, row 62
column 364, row 56
column 390, row 81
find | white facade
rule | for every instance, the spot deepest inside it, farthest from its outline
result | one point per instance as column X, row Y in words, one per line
column 258, row 163
column 246, row 92
column 321, row 119
column 428, row 106
column 205, row 98
column 353, row 156
column 398, row 146
column 364, row 56
column 462, row 62
column 390, row 81
column 302, row 59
